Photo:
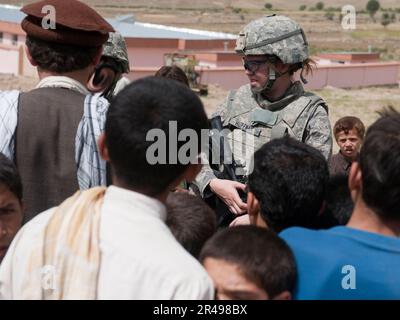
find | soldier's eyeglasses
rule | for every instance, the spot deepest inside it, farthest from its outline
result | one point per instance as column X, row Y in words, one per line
column 253, row 66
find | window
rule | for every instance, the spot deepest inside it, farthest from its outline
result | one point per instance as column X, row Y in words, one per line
column 14, row 40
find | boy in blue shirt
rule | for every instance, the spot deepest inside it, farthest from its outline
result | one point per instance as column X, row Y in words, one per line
column 361, row 260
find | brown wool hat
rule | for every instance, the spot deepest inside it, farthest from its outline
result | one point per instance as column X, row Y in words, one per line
column 76, row 23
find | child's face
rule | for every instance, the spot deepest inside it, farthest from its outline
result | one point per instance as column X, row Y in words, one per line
column 230, row 283
column 10, row 218
column 349, row 143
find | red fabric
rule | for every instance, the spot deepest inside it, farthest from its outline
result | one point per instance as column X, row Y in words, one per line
column 76, row 23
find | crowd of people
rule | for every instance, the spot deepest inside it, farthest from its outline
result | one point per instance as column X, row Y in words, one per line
column 84, row 214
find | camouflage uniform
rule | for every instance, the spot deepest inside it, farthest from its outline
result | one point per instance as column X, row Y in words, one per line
column 252, row 119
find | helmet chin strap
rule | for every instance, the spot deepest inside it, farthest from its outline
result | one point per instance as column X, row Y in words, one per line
column 272, row 76
column 302, row 77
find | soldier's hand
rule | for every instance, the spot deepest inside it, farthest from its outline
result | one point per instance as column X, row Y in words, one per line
column 226, row 190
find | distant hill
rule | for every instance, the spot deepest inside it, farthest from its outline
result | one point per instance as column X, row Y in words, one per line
column 323, row 33
column 220, row 4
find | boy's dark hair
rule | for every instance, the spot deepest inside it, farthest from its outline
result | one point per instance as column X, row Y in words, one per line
column 173, row 72
column 144, row 105
column 289, row 181
column 349, row 123
column 263, row 257
column 380, row 165
column 60, row 58
column 190, row 220
column 10, row 177
column 338, row 203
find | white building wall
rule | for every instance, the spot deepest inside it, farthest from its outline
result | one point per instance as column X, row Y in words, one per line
column 10, row 52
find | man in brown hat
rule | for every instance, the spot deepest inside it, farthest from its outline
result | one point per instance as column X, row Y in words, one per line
column 51, row 131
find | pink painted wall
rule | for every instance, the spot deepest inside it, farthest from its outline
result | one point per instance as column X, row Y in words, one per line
column 384, row 74
column 227, row 78
column 144, row 57
column 355, row 75
column 9, row 58
column 149, row 52
column 137, row 73
column 9, row 52
column 26, row 68
column 340, row 76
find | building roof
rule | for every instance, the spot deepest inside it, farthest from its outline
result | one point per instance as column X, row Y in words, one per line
column 132, row 29
column 129, row 28
column 10, row 13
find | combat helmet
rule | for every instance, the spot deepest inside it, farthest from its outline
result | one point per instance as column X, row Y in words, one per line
column 115, row 48
column 275, row 36
column 114, row 62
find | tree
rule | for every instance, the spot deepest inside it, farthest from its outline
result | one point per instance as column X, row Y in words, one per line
column 385, row 20
column 372, row 7
column 236, row 10
column 329, row 15
column 302, row 7
column 319, row 5
column 268, row 6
